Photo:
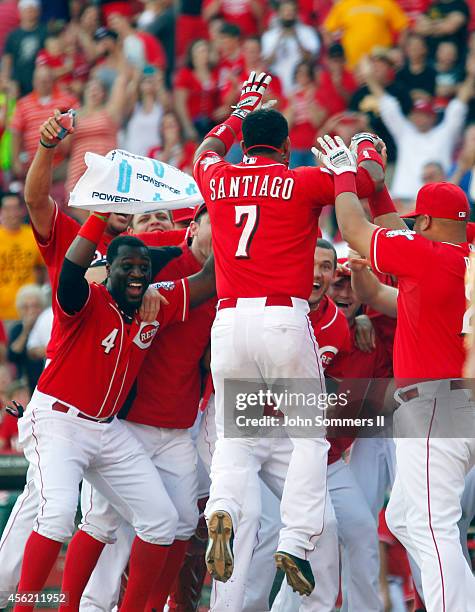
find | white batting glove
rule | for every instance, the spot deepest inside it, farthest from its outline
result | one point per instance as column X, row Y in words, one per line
column 336, row 156
column 359, row 138
column 252, row 93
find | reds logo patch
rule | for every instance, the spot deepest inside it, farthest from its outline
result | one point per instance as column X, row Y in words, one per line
column 146, row 334
column 409, row 234
column 327, row 354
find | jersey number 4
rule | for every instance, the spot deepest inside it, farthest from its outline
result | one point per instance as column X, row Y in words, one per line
column 247, row 216
column 109, row 341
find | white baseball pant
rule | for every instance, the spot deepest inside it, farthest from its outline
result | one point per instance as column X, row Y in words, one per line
column 173, row 454
column 424, row 507
column 373, row 464
column 272, row 344
column 360, row 558
column 249, row 587
column 65, row 448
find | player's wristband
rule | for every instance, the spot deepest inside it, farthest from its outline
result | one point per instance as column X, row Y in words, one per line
column 345, row 183
column 227, row 131
column 48, row 146
column 94, row 227
column 380, row 203
column 367, row 152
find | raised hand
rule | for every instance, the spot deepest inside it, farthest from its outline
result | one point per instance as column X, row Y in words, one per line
column 335, row 155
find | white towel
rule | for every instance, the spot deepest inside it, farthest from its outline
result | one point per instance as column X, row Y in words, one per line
column 125, row 183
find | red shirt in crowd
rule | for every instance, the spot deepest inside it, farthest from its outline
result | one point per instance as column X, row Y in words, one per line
column 328, row 95
column 202, row 98
column 169, row 381
column 397, row 562
column 431, row 302
column 265, row 223
column 98, row 342
column 240, row 13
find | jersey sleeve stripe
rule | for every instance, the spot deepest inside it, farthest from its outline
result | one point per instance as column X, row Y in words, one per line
column 375, row 249
column 185, row 299
column 332, row 321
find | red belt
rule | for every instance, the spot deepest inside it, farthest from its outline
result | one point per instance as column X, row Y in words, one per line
column 65, row 409
column 271, row 300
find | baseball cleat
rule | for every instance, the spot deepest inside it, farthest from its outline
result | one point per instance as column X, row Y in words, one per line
column 297, row 571
column 219, row 554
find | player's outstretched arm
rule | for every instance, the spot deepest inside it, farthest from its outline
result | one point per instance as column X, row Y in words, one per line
column 369, row 290
column 73, row 288
column 221, row 137
column 38, row 180
column 354, row 226
column 203, row 284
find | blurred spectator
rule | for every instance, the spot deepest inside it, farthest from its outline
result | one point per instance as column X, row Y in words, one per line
column 23, row 44
column 246, row 14
column 252, row 53
column 159, row 221
column 158, row 19
column 230, row 64
column 304, row 115
column 462, row 170
column 449, row 73
column 189, row 25
column 19, row 391
column 365, row 25
column 153, row 99
column 139, row 48
column 66, row 62
column 98, row 121
column 445, row 20
column 9, row 20
column 417, row 76
column 30, row 112
column 20, row 259
column 30, row 302
column 40, row 335
column 417, row 137
column 336, row 84
column 174, row 149
column 433, row 172
column 381, row 71
column 287, row 43
column 182, row 217
column 196, row 93
column 108, row 55
column 3, row 343
column 5, row 382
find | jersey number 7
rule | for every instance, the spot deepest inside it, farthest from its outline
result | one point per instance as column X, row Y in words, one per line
column 249, row 217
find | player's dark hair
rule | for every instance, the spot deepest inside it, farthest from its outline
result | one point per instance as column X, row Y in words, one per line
column 230, row 29
column 130, row 241
column 264, row 127
column 325, row 244
column 410, row 222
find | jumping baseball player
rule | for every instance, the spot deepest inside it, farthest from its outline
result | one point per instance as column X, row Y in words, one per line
column 435, row 446
column 264, row 219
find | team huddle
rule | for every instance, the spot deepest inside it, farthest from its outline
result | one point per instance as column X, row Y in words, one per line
column 148, row 436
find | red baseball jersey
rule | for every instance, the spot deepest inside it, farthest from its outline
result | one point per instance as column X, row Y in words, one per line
column 169, row 381
column 264, row 219
column 64, row 230
column 107, row 351
column 384, row 326
column 432, row 309
column 331, row 331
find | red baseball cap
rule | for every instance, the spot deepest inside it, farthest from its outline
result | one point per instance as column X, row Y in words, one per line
column 422, row 106
column 343, row 269
column 183, row 214
column 201, row 208
column 443, row 201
